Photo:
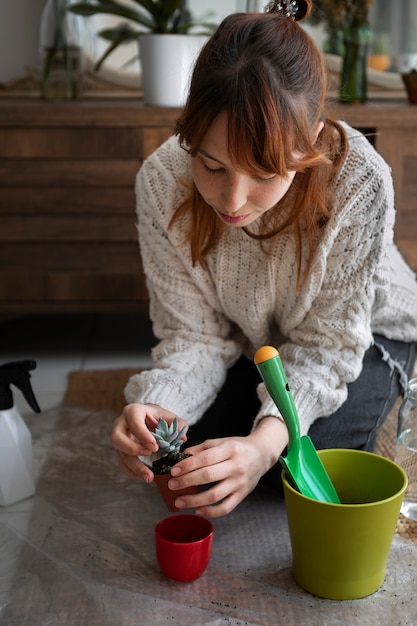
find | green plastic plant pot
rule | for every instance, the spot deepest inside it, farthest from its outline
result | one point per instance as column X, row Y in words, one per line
column 340, row 551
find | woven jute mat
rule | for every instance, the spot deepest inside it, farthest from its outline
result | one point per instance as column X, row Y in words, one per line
column 103, row 389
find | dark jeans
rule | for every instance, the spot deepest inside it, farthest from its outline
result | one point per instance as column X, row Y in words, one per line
column 354, row 425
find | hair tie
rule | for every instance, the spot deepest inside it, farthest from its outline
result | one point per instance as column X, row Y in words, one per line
column 288, row 8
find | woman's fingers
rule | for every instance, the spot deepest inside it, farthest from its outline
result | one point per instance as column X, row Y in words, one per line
column 135, row 427
column 219, row 499
column 131, row 432
column 214, row 460
column 227, row 467
column 139, row 420
column 133, row 468
column 204, row 455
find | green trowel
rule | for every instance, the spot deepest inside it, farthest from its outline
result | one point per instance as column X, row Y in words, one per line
column 302, row 464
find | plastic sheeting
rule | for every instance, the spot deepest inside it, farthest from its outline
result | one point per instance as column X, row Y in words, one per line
column 81, row 551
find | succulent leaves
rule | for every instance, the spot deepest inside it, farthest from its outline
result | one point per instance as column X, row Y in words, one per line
column 167, row 436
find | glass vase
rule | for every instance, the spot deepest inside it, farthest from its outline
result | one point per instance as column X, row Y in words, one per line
column 60, row 49
column 334, row 42
column 406, row 449
column 354, row 77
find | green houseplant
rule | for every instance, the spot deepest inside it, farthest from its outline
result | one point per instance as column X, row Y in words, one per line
column 169, row 440
column 167, row 61
column 349, row 34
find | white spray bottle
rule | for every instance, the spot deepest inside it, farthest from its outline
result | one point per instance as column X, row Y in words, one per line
column 16, row 457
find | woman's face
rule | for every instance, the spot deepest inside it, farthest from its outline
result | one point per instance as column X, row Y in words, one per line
column 237, row 198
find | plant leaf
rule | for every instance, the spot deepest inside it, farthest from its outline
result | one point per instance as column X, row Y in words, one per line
column 122, row 33
column 112, row 8
column 182, row 431
column 116, row 41
column 160, row 16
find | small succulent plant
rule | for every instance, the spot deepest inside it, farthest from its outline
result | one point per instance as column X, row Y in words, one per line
column 169, row 440
column 167, row 437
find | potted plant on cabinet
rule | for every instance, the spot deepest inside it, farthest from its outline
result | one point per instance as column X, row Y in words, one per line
column 379, row 57
column 410, row 82
column 167, row 48
column 169, row 440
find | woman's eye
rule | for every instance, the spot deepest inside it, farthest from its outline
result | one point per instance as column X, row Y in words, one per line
column 261, row 179
column 211, row 170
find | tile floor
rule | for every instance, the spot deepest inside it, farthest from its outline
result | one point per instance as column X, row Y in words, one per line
column 63, row 343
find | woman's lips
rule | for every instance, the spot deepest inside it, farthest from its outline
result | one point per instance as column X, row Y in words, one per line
column 232, row 220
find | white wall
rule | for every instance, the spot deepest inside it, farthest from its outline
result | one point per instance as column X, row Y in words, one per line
column 19, row 36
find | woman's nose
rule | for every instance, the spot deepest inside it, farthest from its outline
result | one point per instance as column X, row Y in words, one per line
column 235, row 195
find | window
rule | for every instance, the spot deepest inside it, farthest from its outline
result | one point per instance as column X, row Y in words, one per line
column 394, row 26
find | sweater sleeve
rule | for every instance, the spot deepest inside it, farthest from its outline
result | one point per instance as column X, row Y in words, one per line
column 194, row 349
column 329, row 328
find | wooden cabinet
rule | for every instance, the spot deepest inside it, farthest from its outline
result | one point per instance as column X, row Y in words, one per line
column 68, row 239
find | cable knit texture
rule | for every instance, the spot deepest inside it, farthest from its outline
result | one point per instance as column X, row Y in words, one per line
column 358, row 285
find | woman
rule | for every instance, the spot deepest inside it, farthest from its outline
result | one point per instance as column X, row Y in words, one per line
column 265, row 222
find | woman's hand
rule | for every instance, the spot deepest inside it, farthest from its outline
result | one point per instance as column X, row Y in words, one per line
column 232, row 466
column 132, row 437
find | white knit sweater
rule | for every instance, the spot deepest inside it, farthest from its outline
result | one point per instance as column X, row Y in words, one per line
column 358, row 285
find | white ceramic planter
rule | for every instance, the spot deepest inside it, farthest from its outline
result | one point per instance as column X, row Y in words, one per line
column 167, row 63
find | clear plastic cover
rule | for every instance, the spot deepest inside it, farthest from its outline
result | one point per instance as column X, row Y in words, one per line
column 81, row 551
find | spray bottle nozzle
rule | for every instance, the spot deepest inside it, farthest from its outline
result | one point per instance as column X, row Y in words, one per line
column 17, row 373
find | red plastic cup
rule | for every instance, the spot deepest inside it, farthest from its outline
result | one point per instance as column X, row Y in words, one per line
column 183, row 546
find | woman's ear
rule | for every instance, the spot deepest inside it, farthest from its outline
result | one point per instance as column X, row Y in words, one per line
column 318, row 131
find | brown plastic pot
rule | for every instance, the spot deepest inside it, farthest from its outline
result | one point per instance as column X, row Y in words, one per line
column 169, row 496
column 410, row 82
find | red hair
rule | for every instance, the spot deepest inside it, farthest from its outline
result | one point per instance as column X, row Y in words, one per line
column 267, row 74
